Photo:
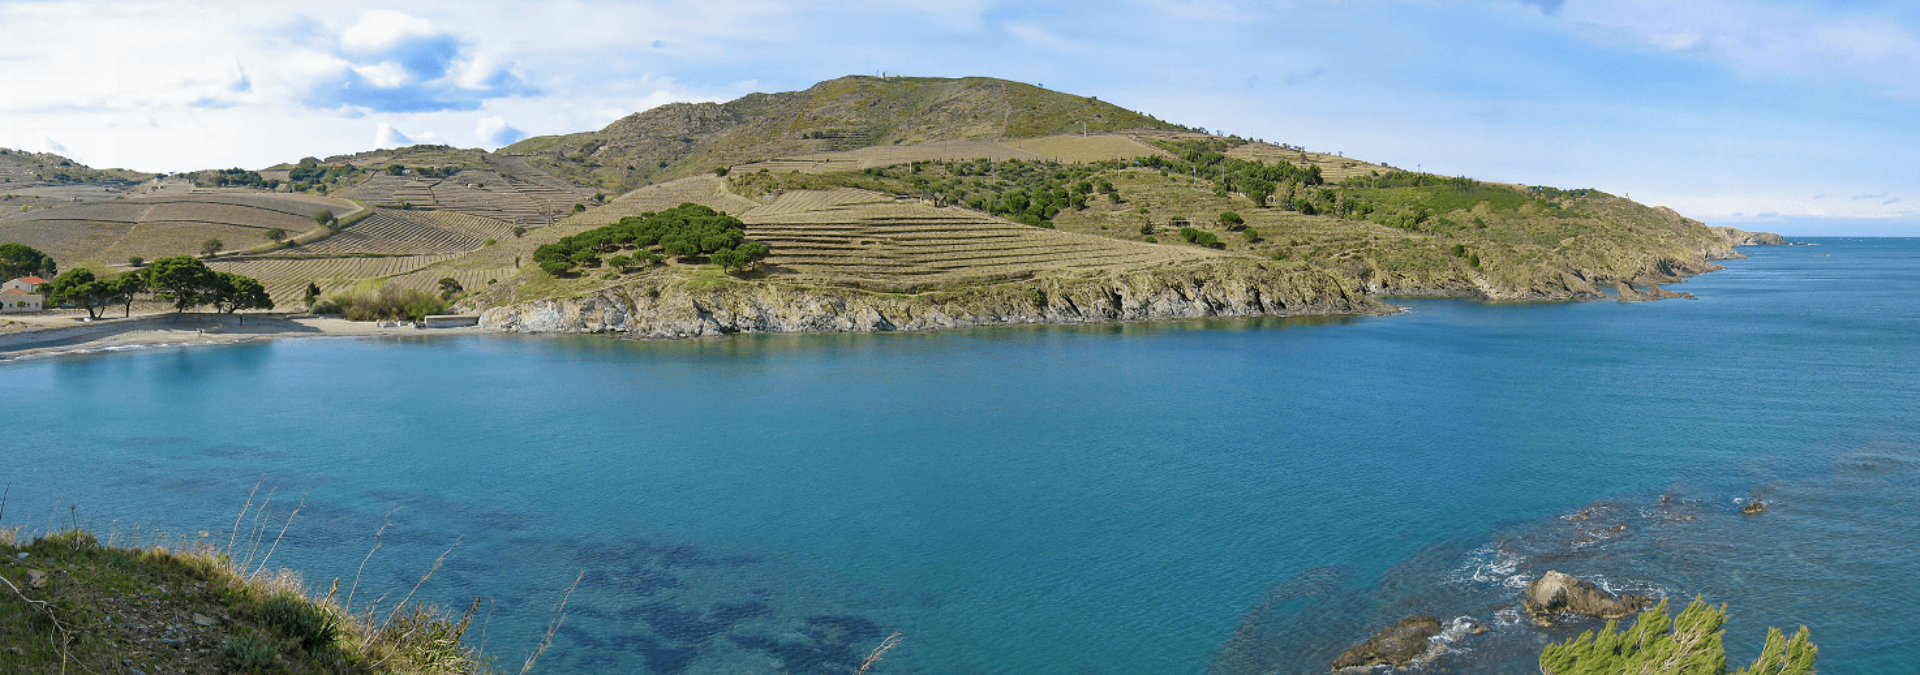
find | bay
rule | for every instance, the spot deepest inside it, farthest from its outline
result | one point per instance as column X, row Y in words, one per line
column 1212, row 496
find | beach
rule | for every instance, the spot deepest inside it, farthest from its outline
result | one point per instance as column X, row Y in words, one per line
column 32, row 336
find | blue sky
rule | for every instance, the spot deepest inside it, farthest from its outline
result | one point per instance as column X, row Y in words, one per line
column 1796, row 117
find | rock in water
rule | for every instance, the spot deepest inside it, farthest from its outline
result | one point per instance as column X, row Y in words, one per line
column 1555, row 592
column 1396, row 645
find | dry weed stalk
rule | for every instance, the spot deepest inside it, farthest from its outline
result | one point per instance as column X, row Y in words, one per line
column 423, row 581
column 873, row 658
column 243, row 514
column 348, row 607
column 276, row 540
column 554, row 627
column 46, row 609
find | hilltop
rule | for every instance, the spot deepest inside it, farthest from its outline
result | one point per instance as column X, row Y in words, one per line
column 682, row 139
column 886, row 203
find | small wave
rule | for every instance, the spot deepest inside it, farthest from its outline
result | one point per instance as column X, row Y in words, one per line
column 1489, row 565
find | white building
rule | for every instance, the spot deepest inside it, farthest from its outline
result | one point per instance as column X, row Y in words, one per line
column 16, row 300
column 18, row 295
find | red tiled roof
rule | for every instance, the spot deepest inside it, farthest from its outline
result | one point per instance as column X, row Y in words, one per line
column 32, row 280
column 13, row 291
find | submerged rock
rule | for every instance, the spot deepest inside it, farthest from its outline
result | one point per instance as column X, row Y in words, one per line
column 1555, row 593
column 1396, row 645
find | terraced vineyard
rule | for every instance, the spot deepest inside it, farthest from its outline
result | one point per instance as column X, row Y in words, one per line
column 161, row 225
column 869, row 240
column 287, row 278
column 388, row 232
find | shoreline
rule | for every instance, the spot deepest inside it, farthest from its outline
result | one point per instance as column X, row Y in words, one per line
column 188, row 329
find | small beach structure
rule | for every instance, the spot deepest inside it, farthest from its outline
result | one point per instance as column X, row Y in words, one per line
column 452, row 320
column 15, row 300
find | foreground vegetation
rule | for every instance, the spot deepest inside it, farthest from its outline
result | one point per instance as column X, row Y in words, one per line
column 1660, row 644
column 69, row 604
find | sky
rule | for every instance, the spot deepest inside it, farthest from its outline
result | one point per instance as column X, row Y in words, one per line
column 1795, row 117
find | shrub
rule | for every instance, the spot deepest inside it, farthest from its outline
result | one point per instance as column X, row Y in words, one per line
column 556, row 267
column 252, row 654
column 298, row 620
column 1252, row 235
column 390, row 302
column 1688, row 644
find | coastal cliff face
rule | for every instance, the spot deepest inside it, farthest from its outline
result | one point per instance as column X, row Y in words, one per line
column 662, row 306
column 1738, row 237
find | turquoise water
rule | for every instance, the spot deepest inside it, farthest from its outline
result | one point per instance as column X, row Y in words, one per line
column 1207, row 497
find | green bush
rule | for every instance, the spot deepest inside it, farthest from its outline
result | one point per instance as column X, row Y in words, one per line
column 1689, row 644
column 556, row 267
column 299, row 620
column 388, row 303
column 250, row 653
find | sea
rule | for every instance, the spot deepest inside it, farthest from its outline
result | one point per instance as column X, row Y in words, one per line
column 1219, row 497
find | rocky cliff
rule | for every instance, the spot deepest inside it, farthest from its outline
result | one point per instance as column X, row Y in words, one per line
column 663, row 305
column 1738, row 237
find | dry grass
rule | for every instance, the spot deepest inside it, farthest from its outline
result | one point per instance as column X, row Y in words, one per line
column 705, row 189
column 1065, row 148
column 1333, row 167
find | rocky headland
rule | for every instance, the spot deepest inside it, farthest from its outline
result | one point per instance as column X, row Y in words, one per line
column 662, row 306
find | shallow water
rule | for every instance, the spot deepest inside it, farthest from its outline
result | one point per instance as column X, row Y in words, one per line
column 1219, row 496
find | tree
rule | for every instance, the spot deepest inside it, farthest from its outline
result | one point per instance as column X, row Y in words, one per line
column 136, row 261
column 312, row 294
column 79, row 287
column 323, row 217
column 182, row 280
column 1689, row 644
column 231, row 292
column 210, row 247
column 276, row 234
column 450, row 286
column 1231, row 220
column 126, row 287
column 21, row 260
column 620, row 262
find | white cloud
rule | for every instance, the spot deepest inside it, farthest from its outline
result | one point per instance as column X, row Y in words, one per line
column 1766, row 39
column 385, row 136
column 494, row 132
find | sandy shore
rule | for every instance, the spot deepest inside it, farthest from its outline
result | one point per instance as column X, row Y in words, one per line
column 43, row 336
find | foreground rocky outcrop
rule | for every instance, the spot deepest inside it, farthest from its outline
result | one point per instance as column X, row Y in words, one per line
column 664, row 306
column 1396, row 645
column 1557, row 593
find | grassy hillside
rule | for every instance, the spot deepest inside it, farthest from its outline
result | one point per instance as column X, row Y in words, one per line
column 21, row 169
column 853, row 112
column 69, row 604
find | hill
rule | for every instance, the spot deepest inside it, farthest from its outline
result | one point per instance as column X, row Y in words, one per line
column 681, row 139
column 981, row 193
